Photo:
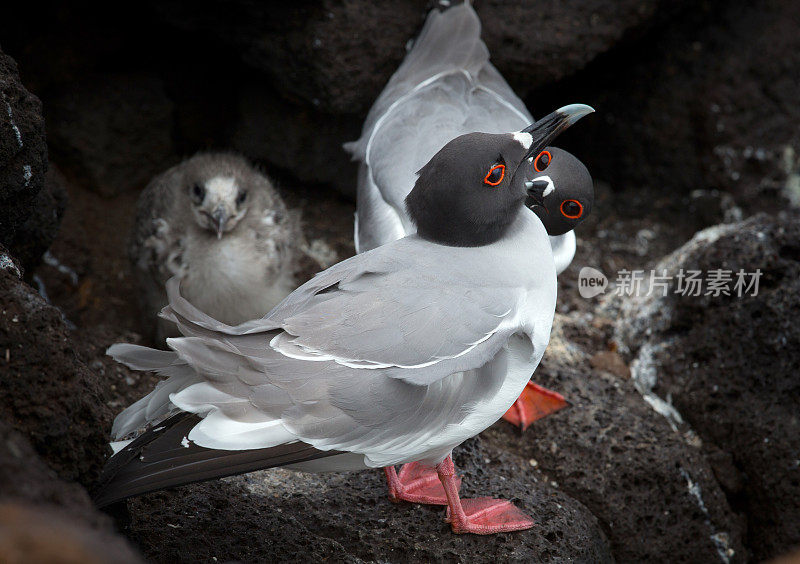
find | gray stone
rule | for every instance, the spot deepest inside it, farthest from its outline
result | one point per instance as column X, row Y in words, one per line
column 45, row 519
column 48, row 393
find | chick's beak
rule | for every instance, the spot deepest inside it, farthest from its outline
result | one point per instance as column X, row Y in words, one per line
column 219, row 218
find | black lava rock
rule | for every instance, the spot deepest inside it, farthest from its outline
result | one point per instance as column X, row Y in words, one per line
column 30, row 207
column 731, row 365
column 49, row 394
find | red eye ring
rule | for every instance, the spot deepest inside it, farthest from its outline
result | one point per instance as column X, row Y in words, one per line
column 502, row 169
column 575, row 216
column 536, row 166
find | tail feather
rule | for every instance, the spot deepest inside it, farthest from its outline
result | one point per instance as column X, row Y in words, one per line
column 155, row 406
column 163, row 457
column 450, row 39
column 137, row 357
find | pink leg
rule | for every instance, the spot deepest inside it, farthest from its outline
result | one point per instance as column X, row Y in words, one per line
column 483, row 515
column 416, row 483
column 533, row 403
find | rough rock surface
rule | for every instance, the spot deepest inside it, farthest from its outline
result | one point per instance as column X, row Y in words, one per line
column 339, row 55
column 10, row 264
column 113, row 132
column 46, row 519
column 707, row 100
column 296, row 138
column 47, row 210
column 30, row 207
column 730, row 365
column 285, row 516
column 48, row 393
column 649, row 489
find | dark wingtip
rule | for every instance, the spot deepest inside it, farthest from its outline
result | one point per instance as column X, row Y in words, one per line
column 160, row 458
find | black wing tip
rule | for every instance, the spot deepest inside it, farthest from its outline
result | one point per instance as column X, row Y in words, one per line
column 160, row 458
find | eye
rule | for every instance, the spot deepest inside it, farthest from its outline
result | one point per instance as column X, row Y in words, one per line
column 495, row 175
column 198, row 191
column 240, row 199
column 571, row 209
column 542, row 161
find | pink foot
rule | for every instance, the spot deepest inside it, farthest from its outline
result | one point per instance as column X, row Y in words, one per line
column 481, row 516
column 484, row 516
column 533, row 403
column 417, row 483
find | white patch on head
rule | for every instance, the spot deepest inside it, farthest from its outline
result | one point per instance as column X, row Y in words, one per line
column 185, row 442
column 524, row 139
column 550, row 185
column 224, row 187
column 221, row 193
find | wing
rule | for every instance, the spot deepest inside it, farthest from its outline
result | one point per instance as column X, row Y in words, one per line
column 401, row 308
column 387, row 354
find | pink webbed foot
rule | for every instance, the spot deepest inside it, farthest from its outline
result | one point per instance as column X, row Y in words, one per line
column 484, row 516
column 534, row 403
column 417, row 483
column 481, row 516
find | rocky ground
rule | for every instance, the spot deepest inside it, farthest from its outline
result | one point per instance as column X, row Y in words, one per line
column 681, row 440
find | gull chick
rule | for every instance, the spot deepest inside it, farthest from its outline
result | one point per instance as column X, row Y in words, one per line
column 218, row 225
column 398, row 354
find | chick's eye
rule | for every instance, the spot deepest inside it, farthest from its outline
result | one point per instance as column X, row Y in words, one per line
column 198, row 191
column 542, row 161
column 495, row 175
column 240, row 199
column 571, row 209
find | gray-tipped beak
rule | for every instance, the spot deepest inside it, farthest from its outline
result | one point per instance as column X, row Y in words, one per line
column 219, row 218
column 552, row 125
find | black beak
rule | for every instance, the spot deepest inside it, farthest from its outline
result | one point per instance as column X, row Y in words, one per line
column 552, row 125
column 535, row 189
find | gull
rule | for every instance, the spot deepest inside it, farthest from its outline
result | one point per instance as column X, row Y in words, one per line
column 398, row 354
